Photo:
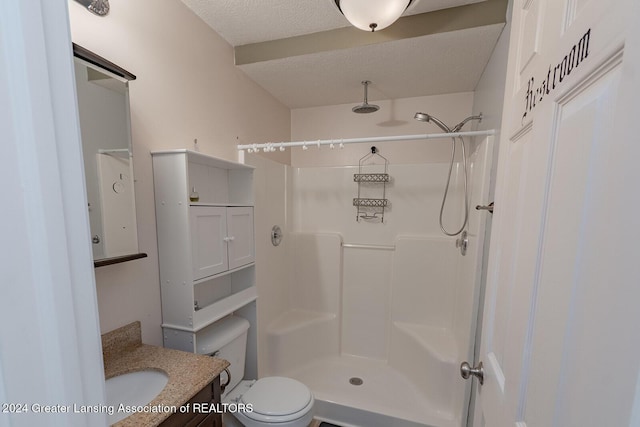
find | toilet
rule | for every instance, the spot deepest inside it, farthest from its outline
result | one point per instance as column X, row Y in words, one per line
column 275, row 401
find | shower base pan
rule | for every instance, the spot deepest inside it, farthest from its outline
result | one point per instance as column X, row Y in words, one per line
column 359, row 392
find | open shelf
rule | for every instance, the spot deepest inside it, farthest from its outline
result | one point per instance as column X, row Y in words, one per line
column 224, row 273
column 216, row 311
column 118, row 259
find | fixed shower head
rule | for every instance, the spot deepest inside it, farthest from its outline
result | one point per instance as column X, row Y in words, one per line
column 365, row 108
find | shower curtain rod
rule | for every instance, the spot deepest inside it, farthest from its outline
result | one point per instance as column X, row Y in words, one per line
column 273, row 146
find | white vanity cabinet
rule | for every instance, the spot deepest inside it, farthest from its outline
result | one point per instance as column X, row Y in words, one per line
column 206, row 250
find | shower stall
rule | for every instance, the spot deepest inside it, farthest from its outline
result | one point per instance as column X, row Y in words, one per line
column 375, row 317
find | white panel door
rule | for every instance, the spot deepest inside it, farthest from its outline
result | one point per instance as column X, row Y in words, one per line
column 240, row 236
column 208, row 240
column 560, row 344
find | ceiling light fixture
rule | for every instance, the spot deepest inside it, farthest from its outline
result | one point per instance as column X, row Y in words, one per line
column 372, row 15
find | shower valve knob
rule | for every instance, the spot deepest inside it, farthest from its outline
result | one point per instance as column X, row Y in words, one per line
column 467, row 371
column 463, row 242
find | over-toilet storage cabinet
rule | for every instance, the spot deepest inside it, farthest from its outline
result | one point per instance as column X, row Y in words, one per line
column 206, row 247
column 221, row 239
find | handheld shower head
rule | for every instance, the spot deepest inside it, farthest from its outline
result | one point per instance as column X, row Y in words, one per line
column 457, row 127
column 424, row 117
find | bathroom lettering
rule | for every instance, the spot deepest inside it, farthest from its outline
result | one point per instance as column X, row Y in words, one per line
column 556, row 74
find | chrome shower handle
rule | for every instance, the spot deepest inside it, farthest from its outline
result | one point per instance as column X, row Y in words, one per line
column 463, row 242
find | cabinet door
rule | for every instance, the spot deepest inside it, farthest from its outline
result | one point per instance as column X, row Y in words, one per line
column 240, row 236
column 208, row 234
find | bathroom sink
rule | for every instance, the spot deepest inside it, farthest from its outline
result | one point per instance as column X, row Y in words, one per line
column 133, row 389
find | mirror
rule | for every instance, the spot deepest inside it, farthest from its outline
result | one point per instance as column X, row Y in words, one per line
column 103, row 103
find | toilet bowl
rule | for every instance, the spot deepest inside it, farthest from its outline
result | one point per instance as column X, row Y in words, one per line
column 269, row 401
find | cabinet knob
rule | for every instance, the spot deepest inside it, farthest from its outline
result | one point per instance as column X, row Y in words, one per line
column 229, row 239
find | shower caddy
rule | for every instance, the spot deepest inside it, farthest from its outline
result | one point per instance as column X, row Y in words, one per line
column 370, row 208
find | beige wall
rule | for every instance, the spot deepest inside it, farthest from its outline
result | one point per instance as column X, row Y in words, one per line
column 187, row 88
column 395, row 117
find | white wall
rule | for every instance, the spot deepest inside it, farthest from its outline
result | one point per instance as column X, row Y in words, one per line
column 489, row 92
column 395, row 117
column 272, row 191
column 187, row 87
column 322, row 199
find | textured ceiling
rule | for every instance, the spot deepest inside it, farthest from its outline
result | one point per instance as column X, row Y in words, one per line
column 242, row 22
column 438, row 63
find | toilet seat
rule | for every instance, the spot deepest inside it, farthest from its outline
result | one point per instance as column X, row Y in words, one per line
column 277, row 400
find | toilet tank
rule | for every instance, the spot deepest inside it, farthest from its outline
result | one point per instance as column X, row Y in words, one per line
column 226, row 339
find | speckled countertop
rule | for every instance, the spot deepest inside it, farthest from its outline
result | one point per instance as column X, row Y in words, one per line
column 123, row 352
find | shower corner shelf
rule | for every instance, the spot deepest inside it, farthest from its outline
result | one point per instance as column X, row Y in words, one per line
column 371, row 207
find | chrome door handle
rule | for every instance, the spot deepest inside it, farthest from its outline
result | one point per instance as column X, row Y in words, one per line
column 466, row 371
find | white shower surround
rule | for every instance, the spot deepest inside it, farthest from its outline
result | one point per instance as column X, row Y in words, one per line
column 402, row 320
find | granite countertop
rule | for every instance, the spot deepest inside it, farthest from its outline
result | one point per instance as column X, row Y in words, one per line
column 123, row 352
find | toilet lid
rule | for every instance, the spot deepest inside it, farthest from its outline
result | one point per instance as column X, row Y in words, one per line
column 277, row 398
